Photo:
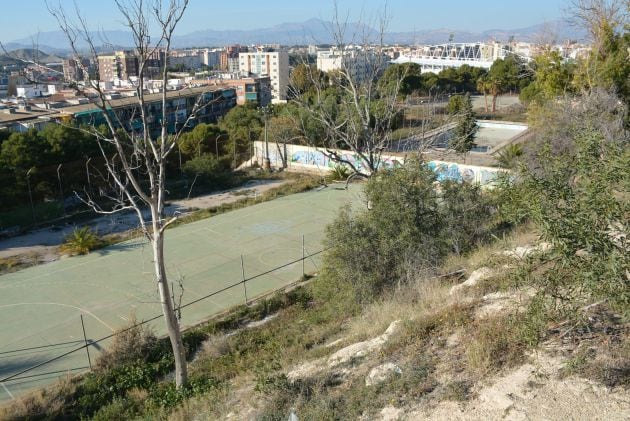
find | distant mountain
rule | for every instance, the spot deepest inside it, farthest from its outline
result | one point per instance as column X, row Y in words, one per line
column 29, row 54
column 312, row 31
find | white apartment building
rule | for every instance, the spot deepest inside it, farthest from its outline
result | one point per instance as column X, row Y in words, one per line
column 274, row 64
column 211, row 58
column 359, row 64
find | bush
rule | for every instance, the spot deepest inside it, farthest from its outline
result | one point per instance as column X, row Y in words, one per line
column 575, row 189
column 130, row 344
column 208, row 169
column 81, row 241
column 408, row 222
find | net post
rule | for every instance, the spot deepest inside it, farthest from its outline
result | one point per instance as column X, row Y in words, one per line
column 244, row 280
column 303, row 258
column 87, row 346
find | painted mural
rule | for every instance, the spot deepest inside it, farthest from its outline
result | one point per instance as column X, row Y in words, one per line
column 311, row 158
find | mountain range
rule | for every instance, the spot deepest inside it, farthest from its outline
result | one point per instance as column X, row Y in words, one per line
column 312, row 31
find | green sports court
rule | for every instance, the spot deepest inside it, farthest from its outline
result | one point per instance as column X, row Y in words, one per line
column 41, row 307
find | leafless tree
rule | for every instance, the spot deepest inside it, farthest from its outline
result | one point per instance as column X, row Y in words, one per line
column 137, row 169
column 597, row 16
column 357, row 117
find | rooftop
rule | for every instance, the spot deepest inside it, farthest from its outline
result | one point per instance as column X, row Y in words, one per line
column 133, row 100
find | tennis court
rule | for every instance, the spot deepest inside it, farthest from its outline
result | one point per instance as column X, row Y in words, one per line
column 41, row 307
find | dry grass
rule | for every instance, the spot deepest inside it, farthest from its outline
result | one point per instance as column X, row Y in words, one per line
column 490, row 254
column 46, row 403
column 130, row 343
column 413, row 301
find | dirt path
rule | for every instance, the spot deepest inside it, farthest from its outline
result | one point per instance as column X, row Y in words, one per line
column 42, row 245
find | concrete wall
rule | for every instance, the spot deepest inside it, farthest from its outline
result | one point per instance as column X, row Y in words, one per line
column 311, row 159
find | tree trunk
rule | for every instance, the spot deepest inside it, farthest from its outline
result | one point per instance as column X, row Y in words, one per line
column 485, row 98
column 172, row 324
column 494, row 103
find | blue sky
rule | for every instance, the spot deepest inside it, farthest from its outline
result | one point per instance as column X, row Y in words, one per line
column 20, row 18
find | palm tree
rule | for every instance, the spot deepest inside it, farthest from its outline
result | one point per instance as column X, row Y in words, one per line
column 483, row 87
column 509, row 155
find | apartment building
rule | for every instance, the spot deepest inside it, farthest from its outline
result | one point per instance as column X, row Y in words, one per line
column 274, row 64
column 215, row 101
column 360, row 64
column 120, row 65
column 73, row 70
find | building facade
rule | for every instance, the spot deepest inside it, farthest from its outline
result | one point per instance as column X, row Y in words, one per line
column 212, row 103
column 120, row 65
column 76, row 70
column 274, row 64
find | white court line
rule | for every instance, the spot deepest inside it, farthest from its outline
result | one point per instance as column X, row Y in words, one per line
column 63, row 305
column 7, row 390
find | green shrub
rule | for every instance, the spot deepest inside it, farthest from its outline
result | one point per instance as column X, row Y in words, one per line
column 339, row 172
column 409, row 225
column 81, row 241
column 575, row 189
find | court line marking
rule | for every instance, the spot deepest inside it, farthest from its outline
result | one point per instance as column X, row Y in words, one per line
column 62, row 305
column 7, row 390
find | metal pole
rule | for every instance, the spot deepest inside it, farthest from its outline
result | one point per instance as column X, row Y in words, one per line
column 63, row 205
column 87, row 346
column 30, row 193
column 303, row 257
column 244, row 281
column 266, row 160
column 87, row 171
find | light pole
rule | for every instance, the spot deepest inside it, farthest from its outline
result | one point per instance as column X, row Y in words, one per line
column 216, row 145
column 266, row 160
column 87, row 171
column 30, row 194
column 63, row 205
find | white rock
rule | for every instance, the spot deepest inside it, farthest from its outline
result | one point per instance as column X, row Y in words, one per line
column 523, row 252
column 381, row 373
column 480, row 274
column 344, row 355
column 390, row 413
column 361, row 349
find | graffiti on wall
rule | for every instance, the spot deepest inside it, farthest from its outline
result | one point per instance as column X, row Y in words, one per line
column 316, row 159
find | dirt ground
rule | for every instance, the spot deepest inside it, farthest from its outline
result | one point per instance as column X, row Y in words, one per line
column 42, row 245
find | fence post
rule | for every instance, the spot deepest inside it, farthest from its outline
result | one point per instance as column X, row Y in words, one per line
column 87, row 346
column 244, row 281
column 303, row 258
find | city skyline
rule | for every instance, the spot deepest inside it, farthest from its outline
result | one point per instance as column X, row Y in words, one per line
column 421, row 15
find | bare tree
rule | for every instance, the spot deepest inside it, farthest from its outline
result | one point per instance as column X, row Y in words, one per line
column 352, row 113
column 137, row 169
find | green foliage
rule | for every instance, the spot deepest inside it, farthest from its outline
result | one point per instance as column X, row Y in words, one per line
column 243, row 124
column 460, row 107
column 202, row 140
column 400, row 80
column 81, row 241
column 340, row 173
column 553, row 78
column 304, row 77
column 575, row 189
column 509, row 156
column 209, row 169
column 408, row 223
column 608, row 64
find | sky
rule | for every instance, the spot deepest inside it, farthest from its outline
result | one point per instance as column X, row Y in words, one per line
column 22, row 18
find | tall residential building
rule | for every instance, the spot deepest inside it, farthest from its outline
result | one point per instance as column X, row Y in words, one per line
column 120, row 65
column 73, row 70
column 229, row 58
column 211, row 58
column 274, row 64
